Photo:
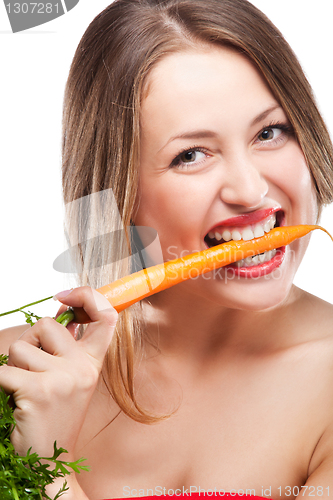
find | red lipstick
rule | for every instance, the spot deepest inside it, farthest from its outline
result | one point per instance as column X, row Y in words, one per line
column 260, row 269
column 247, row 219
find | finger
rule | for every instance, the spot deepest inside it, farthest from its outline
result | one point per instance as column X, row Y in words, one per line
column 93, row 302
column 51, row 336
column 25, row 356
column 98, row 334
column 13, row 379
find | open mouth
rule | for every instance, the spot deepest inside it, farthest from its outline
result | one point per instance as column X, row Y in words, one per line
column 256, row 265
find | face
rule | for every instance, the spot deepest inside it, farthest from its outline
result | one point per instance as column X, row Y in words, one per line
column 219, row 161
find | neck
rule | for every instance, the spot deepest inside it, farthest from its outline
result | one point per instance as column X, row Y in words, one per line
column 180, row 323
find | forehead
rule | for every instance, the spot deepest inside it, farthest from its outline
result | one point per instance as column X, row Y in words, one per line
column 184, row 65
column 196, row 85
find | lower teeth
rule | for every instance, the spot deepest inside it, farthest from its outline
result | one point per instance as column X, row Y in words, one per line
column 256, row 259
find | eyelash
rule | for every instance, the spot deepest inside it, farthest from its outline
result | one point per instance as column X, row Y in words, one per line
column 176, row 162
column 284, row 127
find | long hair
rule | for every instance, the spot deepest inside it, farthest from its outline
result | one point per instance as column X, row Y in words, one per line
column 101, row 133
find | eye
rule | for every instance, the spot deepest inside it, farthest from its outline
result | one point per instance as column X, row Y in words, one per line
column 274, row 135
column 189, row 157
column 269, row 134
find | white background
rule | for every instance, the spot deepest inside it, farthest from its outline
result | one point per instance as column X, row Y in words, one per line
column 34, row 67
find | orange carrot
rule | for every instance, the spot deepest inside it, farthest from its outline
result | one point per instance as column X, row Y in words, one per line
column 130, row 289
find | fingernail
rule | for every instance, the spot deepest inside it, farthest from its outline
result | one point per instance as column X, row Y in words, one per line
column 62, row 295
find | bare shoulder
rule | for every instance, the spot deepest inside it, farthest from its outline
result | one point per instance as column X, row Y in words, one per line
column 311, row 321
column 312, row 355
column 9, row 335
column 321, row 464
column 315, row 315
column 314, row 301
column 325, row 311
column 320, row 317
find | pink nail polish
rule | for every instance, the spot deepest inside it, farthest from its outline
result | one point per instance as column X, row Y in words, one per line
column 62, row 295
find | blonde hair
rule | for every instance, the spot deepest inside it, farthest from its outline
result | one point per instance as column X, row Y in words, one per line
column 101, row 133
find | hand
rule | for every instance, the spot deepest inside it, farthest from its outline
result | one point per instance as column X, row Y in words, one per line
column 52, row 386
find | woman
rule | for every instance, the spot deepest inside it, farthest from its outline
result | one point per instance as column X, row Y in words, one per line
column 198, row 117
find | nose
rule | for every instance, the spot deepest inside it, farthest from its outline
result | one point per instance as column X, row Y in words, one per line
column 243, row 183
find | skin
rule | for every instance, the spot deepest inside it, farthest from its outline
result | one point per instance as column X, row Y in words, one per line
column 245, row 365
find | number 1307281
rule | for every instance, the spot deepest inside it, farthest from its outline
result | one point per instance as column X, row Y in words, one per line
column 308, row 491
column 33, row 8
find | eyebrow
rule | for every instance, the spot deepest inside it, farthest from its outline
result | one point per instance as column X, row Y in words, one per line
column 264, row 114
column 200, row 134
column 196, row 134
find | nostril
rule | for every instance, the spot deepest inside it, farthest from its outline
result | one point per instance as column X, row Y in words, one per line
column 247, row 194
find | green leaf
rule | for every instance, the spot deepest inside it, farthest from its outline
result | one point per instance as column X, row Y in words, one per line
column 29, row 317
column 26, row 477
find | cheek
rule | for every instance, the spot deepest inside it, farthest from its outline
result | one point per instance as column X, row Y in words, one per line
column 171, row 200
column 175, row 205
column 305, row 195
column 299, row 183
column 292, row 177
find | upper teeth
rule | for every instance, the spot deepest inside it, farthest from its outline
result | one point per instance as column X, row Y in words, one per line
column 244, row 233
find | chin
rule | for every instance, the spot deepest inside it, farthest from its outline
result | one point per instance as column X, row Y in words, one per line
column 265, row 292
column 252, row 292
column 257, row 302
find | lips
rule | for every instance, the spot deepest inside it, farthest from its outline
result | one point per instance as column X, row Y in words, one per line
column 259, row 270
column 251, row 218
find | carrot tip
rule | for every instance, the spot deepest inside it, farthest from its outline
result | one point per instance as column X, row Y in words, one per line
column 325, row 231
